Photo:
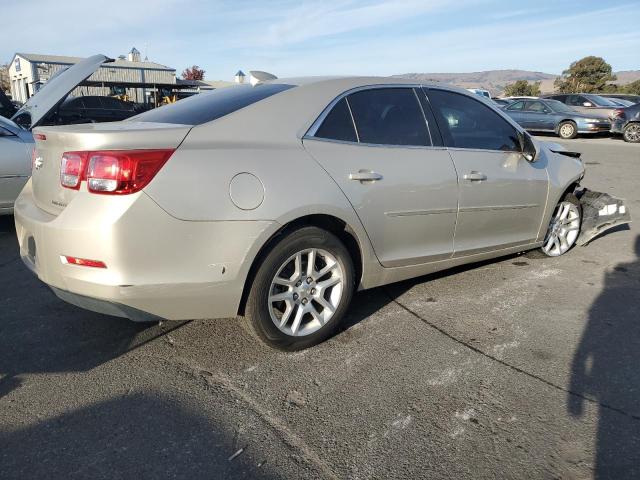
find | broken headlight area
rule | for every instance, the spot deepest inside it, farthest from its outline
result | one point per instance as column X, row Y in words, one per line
column 600, row 212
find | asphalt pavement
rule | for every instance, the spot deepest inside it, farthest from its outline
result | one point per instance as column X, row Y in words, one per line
column 516, row 368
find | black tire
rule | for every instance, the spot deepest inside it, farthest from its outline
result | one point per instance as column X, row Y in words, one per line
column 569, row 197
column 257, row 311
column 565, row 134
column 631, row 132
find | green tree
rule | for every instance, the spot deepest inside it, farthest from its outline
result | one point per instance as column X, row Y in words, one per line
column 587, row 75
column 522, row 88
column 632, row 88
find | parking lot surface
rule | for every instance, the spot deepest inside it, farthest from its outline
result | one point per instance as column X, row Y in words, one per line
column 515, row 368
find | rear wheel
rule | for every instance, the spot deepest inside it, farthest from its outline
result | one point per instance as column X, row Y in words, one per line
column 564, row 227
column 301, row 290
column 567, row 130
column 631, row 133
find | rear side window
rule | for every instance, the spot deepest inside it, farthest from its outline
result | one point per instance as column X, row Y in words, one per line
column 469, row 123
column 205, row 107
column 338, row 125
column 92, row 102
column 516, row 106
column 389, row 116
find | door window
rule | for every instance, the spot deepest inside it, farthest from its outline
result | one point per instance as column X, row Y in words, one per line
column 338, row 124
column 469, row 123
column 389, row 116
column 516, row 106
column 537, row 107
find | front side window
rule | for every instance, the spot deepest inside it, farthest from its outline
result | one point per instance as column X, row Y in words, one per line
column 338, row 124
column 389, row 116
column 469, row 123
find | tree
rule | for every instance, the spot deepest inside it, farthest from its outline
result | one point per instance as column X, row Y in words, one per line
column 5, row 84
column 632, row 88
column 193, row 73
column 522, row 88
column 587, row 75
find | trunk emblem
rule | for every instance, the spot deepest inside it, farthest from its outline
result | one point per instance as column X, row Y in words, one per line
column 38, row 163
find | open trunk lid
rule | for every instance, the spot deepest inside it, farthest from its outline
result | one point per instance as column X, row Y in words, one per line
column 52, row 142
column 57, row 88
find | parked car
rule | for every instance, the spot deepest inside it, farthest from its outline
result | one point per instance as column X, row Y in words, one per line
column 586, row 103
column 547, row 115
column 16, row 145
column 501, row 102
column 16, row 139
column 624, row 96
column 91, row 109
column 627, row 122
column 278, row 201
column 480, row 91
column 621, row 102
column 7, row 107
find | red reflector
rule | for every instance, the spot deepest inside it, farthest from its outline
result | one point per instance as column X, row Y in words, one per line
column 83, row 262
column 39, row 136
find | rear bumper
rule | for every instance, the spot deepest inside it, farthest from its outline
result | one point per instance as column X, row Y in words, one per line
column 158, row 267
column 617, row 126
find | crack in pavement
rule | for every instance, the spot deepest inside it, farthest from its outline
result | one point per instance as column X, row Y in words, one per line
column 519, row 370
column 279, row 426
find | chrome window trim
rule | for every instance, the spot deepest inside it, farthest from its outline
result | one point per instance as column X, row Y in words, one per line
column 311, row 132
column 375, row 145
column 353, row 121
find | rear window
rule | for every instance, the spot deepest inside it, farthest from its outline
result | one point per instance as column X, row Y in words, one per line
column 205, row 107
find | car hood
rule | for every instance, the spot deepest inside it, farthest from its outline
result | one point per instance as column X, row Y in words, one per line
column 58, row 87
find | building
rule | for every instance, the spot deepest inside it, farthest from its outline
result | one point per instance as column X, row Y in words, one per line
column 28, row 71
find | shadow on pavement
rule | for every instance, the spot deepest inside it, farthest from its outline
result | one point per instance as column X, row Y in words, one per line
column 136, row 436
column 40, row 333
column 605, row 369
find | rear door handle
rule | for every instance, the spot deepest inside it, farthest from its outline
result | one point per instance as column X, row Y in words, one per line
column 365, row 176
column 475, row 176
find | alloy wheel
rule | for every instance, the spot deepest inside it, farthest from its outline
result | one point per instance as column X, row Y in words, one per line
column 563, row 230
column 632, row 133
column 305, row 292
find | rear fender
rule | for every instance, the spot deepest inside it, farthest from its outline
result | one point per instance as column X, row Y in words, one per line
column 600, row 212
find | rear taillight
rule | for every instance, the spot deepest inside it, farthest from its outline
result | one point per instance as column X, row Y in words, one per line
column 116, row 172
column 72, row 168
column 618, row 113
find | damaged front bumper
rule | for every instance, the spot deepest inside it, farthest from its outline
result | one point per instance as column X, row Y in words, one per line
column 600, row 212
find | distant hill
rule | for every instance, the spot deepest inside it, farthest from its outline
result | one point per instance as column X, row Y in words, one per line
column 495, row 80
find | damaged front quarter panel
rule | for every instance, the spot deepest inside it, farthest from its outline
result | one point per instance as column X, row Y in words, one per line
column 600, row 212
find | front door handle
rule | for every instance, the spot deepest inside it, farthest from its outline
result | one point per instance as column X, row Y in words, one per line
column 475, row 176
column 365, row 176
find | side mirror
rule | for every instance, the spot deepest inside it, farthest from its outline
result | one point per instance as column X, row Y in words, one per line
column 529, row 151
column 587, row 104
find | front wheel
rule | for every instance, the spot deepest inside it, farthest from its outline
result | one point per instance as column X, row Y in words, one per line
column 631, row 133
column 301, row 291
column 564, row 227
column 567, row 130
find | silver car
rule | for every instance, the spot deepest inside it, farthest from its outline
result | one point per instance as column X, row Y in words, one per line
column 278, row 201
column 16, row 146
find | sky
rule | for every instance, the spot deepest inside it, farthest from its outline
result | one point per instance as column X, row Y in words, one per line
column 341, row 37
